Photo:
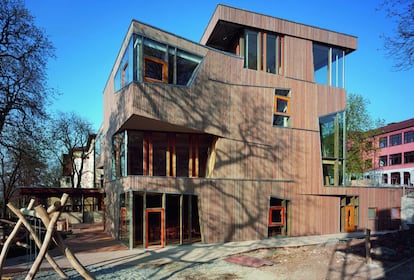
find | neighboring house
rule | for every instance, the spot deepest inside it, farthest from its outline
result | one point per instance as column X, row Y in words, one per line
column 238, row 137
column 393, row 160
column 72, row 167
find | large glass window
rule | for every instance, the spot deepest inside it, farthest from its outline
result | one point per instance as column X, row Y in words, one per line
column 328, row 65
column 263, row 51
column 151, row 61
column 252, row 50
column 161, row 154
column 395, row 139
column 332, row 135
column 408, row 136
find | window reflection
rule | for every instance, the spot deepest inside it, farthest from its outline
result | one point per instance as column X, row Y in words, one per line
column 328, row 64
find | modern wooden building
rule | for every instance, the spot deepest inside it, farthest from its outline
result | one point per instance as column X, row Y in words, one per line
column 238, row 137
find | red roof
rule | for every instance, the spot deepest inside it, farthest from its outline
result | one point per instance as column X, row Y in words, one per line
column 396, row 126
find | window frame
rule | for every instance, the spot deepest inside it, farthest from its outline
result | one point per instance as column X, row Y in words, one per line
column 282, row 216
column 395, row 139
column 407, row 155
column 383, row 142
column 375, row 209
column 395, row 156
column 410, row 135
column 395, row 213
column 164, row 70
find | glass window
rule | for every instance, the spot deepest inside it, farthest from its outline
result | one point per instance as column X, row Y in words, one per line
column 383, row 142
column 186, row 64
column 383, row 161
column 395, row 139
column 395, row 159
column 373, row 213
column 281, row 108
column 395, row 213
column 159, row 152
column 408, row 136
column 328, row 65
column 135, row 152
column 124, row 74
column 252, row 50
column 332, row 135
column 409, row 157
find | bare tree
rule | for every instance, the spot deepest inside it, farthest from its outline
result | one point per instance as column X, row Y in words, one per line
column 400, row 45
column 21, row 163
column 24, row 52
column 70, row 134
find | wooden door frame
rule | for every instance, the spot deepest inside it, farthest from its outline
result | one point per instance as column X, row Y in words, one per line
column 162, row 225
column 350, row 219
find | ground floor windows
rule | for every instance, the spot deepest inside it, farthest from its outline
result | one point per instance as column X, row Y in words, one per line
column 150, row 219
column 278, row 217
column 349, row 207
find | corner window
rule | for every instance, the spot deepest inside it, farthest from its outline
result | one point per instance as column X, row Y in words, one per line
column 329, row 66
column 281, row 108
column 150, row 61
column 383, row 142
column 332, row 135
column 408, row 136
column 395, row 139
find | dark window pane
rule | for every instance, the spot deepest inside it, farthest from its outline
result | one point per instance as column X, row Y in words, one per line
column 135, row 153
column 153, row 69
column 182, row 155
column 159, row 160
column 395, row 139
column 251, row 53
column 409, row 136
column 271, row 54
column 186, row 64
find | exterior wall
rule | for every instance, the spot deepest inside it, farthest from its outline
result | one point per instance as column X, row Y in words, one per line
column 400, row 169
column 254, row 159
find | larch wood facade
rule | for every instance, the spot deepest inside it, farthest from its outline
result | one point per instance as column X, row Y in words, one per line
column 253, row 160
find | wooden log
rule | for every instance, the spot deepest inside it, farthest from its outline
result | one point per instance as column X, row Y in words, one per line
column 46, row 241
column 62, row 246
column 56, row 206
column 36, row 239
column 12, row 235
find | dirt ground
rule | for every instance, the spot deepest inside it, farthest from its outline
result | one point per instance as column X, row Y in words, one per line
column 345, row 259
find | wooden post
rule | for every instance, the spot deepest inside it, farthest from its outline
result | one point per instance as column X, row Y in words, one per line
column 65, row 250
column 36, row 239
column 368, row 246
column 6, row 244
column 46, row 240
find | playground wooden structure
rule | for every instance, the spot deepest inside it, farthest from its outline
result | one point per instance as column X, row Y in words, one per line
column 49, row 218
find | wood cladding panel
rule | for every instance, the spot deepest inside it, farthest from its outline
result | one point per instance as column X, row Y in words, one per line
column 274, row 24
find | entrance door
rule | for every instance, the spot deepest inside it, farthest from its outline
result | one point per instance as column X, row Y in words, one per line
column 349, row 218
column 154, row 228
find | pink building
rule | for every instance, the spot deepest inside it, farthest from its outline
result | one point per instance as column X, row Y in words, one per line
column 393, row 162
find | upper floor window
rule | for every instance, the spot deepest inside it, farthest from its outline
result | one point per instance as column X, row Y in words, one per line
column 151, row 61
column 162, row 154
column 395, row 159
column 329, row 66
column 395, row 139
column 383, row 161
column 408, row 136
column 262, row 51
column 383, row 142
column 409, row 157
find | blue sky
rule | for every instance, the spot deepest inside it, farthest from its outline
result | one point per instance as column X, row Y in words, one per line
column 87, row 35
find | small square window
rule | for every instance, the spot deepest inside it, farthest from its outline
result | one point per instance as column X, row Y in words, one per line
column 155, row 70
column 395, row 213
column 276, row 216
column 373, row 213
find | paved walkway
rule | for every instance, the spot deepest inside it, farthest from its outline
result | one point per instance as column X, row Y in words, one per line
column 99, row 253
